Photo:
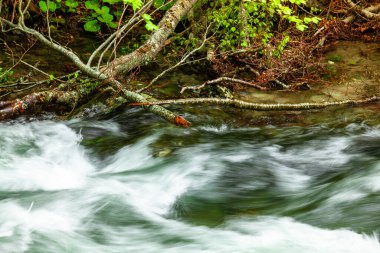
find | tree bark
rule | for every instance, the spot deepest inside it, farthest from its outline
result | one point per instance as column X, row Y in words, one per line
column 155, row 43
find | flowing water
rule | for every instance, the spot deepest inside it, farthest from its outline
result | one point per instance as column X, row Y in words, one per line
column 122, row 185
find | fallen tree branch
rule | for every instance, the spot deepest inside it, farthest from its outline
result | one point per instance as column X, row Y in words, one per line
column 259, row 106
column 173, row 16
column 223, row 79
column 156, row 109
column 12, row 109
column 369, row 12
column 5, row 103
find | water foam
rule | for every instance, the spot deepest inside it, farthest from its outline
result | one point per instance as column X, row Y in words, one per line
column 44, row 156
column 47, row 156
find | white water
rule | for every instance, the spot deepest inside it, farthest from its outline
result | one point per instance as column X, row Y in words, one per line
column 56, row 196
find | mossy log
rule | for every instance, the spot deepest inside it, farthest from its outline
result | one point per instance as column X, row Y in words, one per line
column 37, row 101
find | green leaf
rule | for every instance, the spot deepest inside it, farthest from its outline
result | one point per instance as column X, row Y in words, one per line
column 72, row 4
column 161, row 5
column 92, row 26
column 150, row 26
column 146, row 17
column 112, row 24
column 158, row 3
column 306, row 20
column 315, row 20
column 136, row 4
column 111, row 1
column 52, row 6
column 43, row 6
column 301, row 27
column 103, row 11
column 91, row 5
column 286, row 10
column 105, row 18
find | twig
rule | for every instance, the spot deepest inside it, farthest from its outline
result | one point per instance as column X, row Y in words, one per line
column 35, row 68
column 4, row 95
column 20, row 81
column 48, row 21
column 143, row 9
column 223, row 79
column 257, row 73
column 19, row 60
column 118, row 36
column 184, row 58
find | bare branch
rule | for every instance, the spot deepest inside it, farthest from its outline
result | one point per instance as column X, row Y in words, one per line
column 181, row 62
column 223, row 79
column 36, row 69
column 119, row 34
column 369, row 12
column 259, row 106
column 111, row 39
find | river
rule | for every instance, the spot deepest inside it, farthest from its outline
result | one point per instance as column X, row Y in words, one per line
column 122, row 185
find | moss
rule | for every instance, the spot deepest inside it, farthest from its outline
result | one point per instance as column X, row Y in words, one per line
column 335, row 58
column 87, row 86
column 48, row 97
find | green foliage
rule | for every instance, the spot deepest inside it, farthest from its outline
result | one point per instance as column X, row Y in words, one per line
column 92, row 26
column 49, row 5
column 6, row 75
column 129, row 47
column 335, row 58
column 73, row 75
column 97, row 13
column 238, row 22
column 281, row 46
column 162, row 4
column 86, row 86
column 149, row 24
column 72, row 5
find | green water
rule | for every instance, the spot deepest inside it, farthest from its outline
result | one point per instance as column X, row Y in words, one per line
column 132, row 183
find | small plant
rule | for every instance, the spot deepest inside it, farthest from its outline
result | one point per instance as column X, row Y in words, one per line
column 335, row 58
column 281, row 46
column 239, row 22
column 6, row 75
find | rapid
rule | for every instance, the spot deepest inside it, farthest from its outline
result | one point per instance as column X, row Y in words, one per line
column 115, row 186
